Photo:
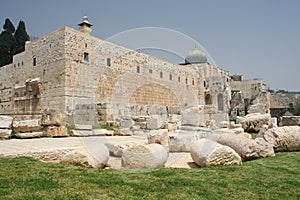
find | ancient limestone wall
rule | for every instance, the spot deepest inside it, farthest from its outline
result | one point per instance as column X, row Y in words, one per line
column 99, row 72
column 249, row 88
column 35, row 79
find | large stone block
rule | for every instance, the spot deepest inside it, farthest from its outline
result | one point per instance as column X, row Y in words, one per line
column 157, row 110
column 123, row 132
column 55, row 131
column 26, row 125
column 83, row 127
column 5, row 133
column 145, row 156
column 126, row 123
column 30, row 135
column 52, row 117
column 155, row 122
column 207, row 153
column 290, row 120
column 6, row 121
column 247, row 148
column 158, row 136
column 190, row 116
column 182, row 141
column 118, row 149
column 286, row 138
column 254, row 122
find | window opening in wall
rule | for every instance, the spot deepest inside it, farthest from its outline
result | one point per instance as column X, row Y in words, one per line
column 220, row 102
column 138, row 69
column 86, row 56
column 208, row 99
column 150, row 71
column 14, row 65
column 34, row 61
column 179, row 79
column 193, row 82
column 186, row 81
column 50, row 46
column 108, row 62
column 22, row 63
column 170, row 77
column 85, row 45
column 18, row 64
column 161, row 74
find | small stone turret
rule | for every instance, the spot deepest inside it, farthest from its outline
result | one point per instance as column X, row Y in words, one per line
column 85, row 26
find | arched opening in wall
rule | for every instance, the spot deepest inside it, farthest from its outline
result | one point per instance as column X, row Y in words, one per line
column 208, row 100
column 220, row 102
column 154, row 94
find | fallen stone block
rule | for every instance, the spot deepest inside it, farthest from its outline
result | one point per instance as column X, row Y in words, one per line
column 158, row 137
column 145, row 156
column 6, row 122
column 207, row 153
column 25, row 125
column 247, row 148
column 286, row 138
column 29, row 135
column 118, row 149
column 5, row 133
column 55, row 131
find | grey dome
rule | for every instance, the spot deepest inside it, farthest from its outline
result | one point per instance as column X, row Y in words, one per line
column 195, row 56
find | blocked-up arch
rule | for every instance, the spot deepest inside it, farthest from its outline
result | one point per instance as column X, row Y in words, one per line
column 153, row 94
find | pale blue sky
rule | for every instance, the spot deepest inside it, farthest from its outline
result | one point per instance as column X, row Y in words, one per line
column 257, row 38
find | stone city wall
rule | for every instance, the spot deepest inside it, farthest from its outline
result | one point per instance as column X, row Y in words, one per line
column 34, row 81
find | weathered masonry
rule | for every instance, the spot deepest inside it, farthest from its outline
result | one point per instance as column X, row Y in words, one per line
column 92, row 81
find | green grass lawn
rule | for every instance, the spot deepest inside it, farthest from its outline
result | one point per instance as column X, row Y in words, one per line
column 270, row 178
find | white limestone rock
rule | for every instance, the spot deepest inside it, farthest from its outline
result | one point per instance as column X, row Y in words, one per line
column 126, row 123
column 83, row 157
column 207, row 153
column 118, row 149
column 254, row 122
column 83, row 127
column 190, row 116
column 286, row 138
column 123, row 132
column 247, row 148
column 26, row 125
column 81, row 133
column 5, row 133
column 145, row 156
column 155, row 122
column 182, row 141
column 55, row 131
column 52, row 117
column 29, row 135
column 6, row 122
column 158, row 137
column 258, row 108
column 157, row 110
column 290, row 120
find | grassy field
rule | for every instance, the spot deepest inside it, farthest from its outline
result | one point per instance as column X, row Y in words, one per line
column 270, row 178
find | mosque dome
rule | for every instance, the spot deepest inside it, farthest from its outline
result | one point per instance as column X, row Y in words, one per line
column 195, row 56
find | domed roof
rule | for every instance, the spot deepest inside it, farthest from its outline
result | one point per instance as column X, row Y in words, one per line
column 195, row 56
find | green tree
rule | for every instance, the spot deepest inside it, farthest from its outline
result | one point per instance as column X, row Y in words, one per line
column 21, row 37
column 7, row 43
column 8, row 26
column 297, row 108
